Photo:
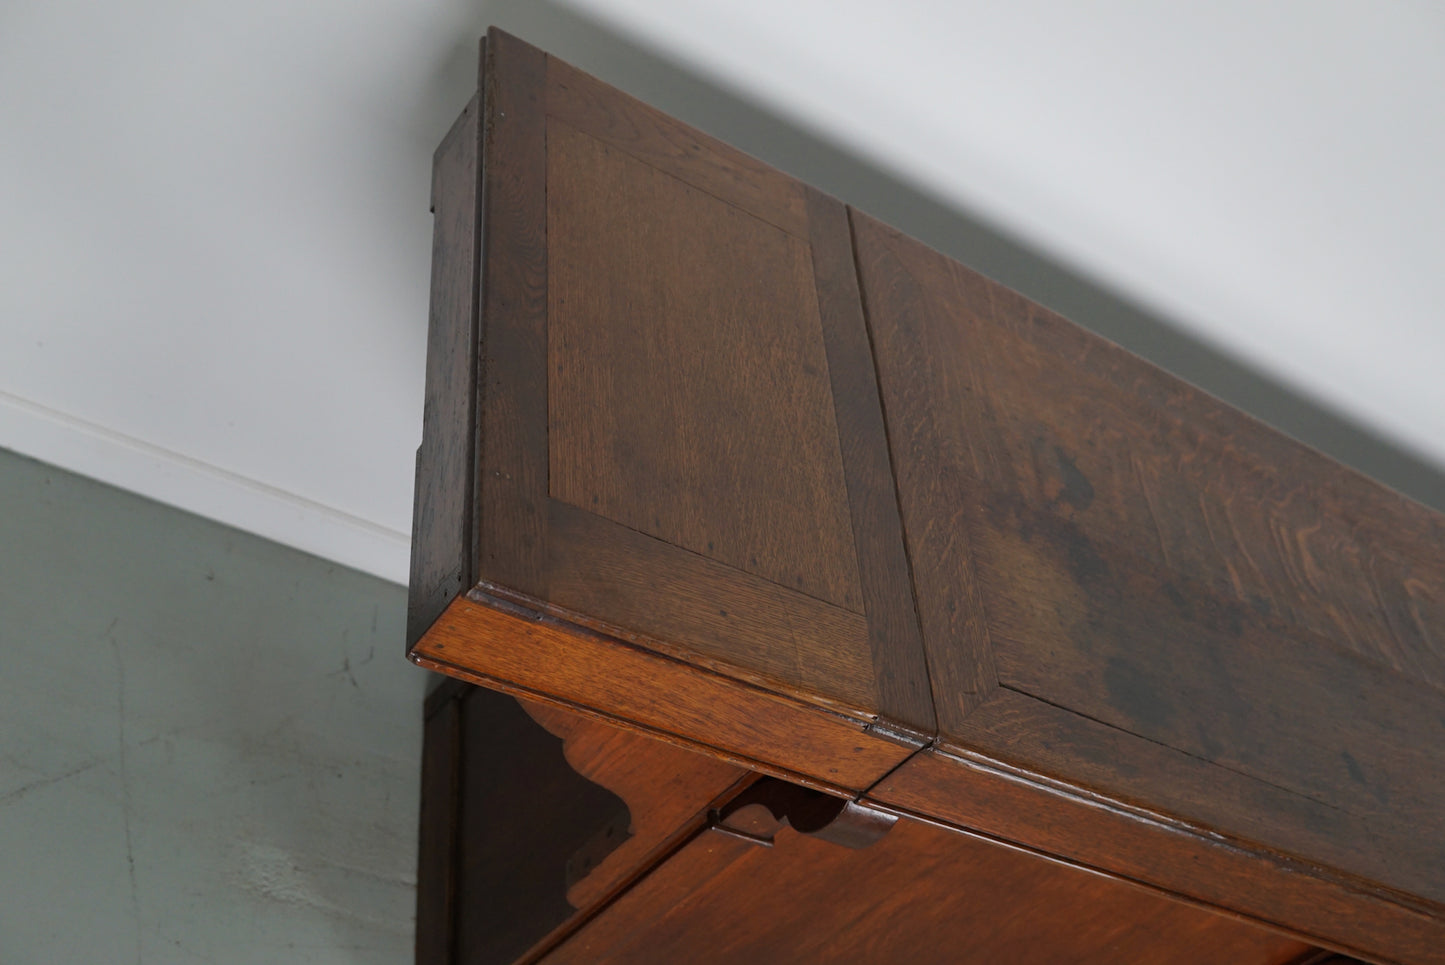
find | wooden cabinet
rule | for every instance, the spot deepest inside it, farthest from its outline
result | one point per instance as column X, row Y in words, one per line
column 1024, row 649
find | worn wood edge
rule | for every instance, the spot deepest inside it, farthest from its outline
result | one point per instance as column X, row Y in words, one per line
column 511, row 526
column 441, row 561
column 994, row 759
column 900, row 663
column 499, row 645
column 1390, row 928
column 689, row 656
column 473, row 536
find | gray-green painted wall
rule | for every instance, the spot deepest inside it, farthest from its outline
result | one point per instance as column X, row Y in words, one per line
column 209, row 744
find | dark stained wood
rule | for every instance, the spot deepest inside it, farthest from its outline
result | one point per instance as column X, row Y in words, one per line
column 526, row 831
column 1291, row 712
column 441, row 555
column 918, row 895
column 1046, row 740
column 610, row 578
column 678, row 399
column 1032, row 406
column 741, row 470
column 437, row 841
column 512, row 384
column 492, row 644
column 933, row 494
column 899, row 666
column 687, row 373
column 522, row 815
column 1174, row 624
column 586, row 104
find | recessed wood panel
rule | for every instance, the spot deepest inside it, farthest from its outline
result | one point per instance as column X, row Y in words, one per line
column 1025, row 404
column 1184, row 609
column 679, row 441
column 688, row 383
column 920, row 895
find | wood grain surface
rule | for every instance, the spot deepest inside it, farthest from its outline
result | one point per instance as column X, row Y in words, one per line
column 1181, row 610
column 512, row 377
column 441, row 548
column 504, row 815
column 687, row 374
column 920, row 895
column 1141, row 845
column 588, row 105
column 492, row 643
column 678, row 402
column 738, row 468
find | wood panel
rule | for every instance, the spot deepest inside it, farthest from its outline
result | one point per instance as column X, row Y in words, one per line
column 437, row 837
column 919, row 895
column 665, row 143
column 687, row 374
column 680, row 442
column 900, row 670
column 1286, row 710
column 1032, row 585
column 1183, row 609
column 1023, row 403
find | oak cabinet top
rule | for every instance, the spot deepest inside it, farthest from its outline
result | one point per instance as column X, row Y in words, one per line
column 714, row 456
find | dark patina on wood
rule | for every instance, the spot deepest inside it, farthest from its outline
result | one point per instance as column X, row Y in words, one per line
column 735, row 466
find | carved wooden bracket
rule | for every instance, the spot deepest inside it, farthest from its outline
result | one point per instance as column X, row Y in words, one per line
column 758, row 813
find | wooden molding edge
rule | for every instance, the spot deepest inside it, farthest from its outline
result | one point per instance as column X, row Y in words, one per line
column 499, row 645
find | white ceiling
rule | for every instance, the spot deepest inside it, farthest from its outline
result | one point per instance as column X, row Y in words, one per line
column 214, row 238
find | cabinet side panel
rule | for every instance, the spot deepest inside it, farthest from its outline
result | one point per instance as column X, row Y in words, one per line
column 442, row 521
